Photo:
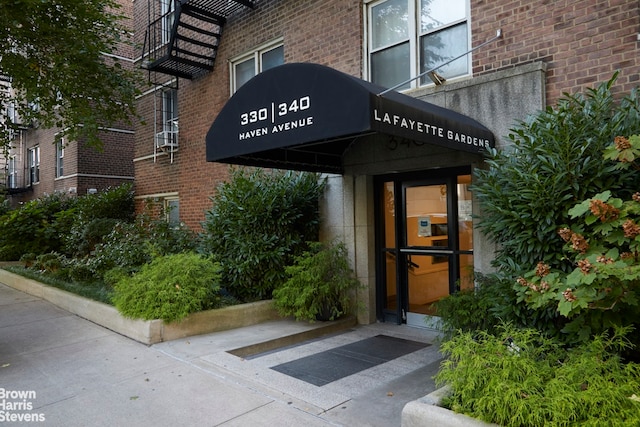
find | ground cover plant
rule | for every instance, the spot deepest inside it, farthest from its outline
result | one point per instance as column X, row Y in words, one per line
column 93, row 289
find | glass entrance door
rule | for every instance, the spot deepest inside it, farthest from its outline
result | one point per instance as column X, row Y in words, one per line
column 427, row 246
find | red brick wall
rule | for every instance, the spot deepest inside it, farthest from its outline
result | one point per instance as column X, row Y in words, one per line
column 582, row 42
column 327, row 32
column 84, row 167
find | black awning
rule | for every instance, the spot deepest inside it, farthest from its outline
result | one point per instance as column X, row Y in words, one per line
column 304, row 117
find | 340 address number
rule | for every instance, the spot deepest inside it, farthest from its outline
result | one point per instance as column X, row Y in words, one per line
column 279, row 110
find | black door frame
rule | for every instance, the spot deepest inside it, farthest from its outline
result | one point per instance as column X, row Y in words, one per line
column 401, row 251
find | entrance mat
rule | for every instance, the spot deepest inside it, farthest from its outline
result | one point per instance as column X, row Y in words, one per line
column 331, row 365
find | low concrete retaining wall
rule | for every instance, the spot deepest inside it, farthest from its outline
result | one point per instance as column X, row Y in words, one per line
column 145, row 331
column 427, row 411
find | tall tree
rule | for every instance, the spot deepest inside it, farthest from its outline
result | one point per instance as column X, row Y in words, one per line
column 58, row 57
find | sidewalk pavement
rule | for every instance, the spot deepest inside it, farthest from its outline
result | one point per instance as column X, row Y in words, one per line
column 57, row 369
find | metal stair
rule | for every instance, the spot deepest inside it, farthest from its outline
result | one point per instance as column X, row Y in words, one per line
column 182, row 40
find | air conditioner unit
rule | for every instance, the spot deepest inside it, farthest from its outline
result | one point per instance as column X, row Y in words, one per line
column 167, row 139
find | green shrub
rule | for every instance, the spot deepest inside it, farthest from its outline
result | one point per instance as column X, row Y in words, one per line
column 556, row 160
column 169, row 288
column 493, row 302
column 94, row 217
column 259, row 221
column 49, row 263
column 603, row 289
column 130, row 245
column 521, row 378
column 37, row 227
column 4, row 204
column 319, row 285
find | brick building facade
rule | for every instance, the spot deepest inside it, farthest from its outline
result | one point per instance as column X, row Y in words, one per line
column 546, row 48
column 579, row 45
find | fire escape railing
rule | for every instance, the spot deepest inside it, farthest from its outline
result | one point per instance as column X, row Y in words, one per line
column 183, row 40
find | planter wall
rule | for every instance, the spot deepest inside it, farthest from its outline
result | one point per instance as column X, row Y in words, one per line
column 427, row 411
column 145, row 331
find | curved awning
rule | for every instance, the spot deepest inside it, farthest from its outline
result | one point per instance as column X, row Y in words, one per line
column 304, row 116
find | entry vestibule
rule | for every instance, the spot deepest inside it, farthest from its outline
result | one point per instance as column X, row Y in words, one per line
column 424, row 237
column 310, row 117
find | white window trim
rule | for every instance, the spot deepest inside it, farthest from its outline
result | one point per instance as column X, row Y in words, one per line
column 413, row 44
column 255, row 53
column 165, row 206
column 60, row 145
column 34, row 155
column 12, row 171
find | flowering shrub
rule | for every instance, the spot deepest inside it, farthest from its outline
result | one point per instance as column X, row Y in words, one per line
column 604, row 246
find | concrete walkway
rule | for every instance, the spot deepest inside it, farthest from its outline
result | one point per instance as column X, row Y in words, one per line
column 61, row 370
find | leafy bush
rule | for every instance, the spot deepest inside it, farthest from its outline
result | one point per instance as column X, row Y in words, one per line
column 37, row 227
column 459, row 311
column 259, row 221
column 4, row 204
column 556, row 161
column 602, row 290
column 94, row 217
column 485, row 308
column 169, row 288
column 129, row 245
column 319, row 284
column 521, row 378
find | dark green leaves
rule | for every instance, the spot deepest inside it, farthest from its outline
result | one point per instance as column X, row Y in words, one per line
column 258, row 222
column 555, row 161
column 54, row 53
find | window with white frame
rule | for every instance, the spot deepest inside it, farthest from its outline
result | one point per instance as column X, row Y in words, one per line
column 34, row 164
column 408, row 37
column 172, row 211
column 12, row 173
column 60, row 158
column 167, row 119
column 168, row 14
column 245, row 67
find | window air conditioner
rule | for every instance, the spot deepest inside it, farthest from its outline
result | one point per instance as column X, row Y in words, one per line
column 167, row 139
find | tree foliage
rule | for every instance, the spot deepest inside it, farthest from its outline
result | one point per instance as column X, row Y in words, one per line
column 53, row 54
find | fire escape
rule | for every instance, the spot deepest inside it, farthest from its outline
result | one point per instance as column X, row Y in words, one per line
column 183, row 35
column 181, row 41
